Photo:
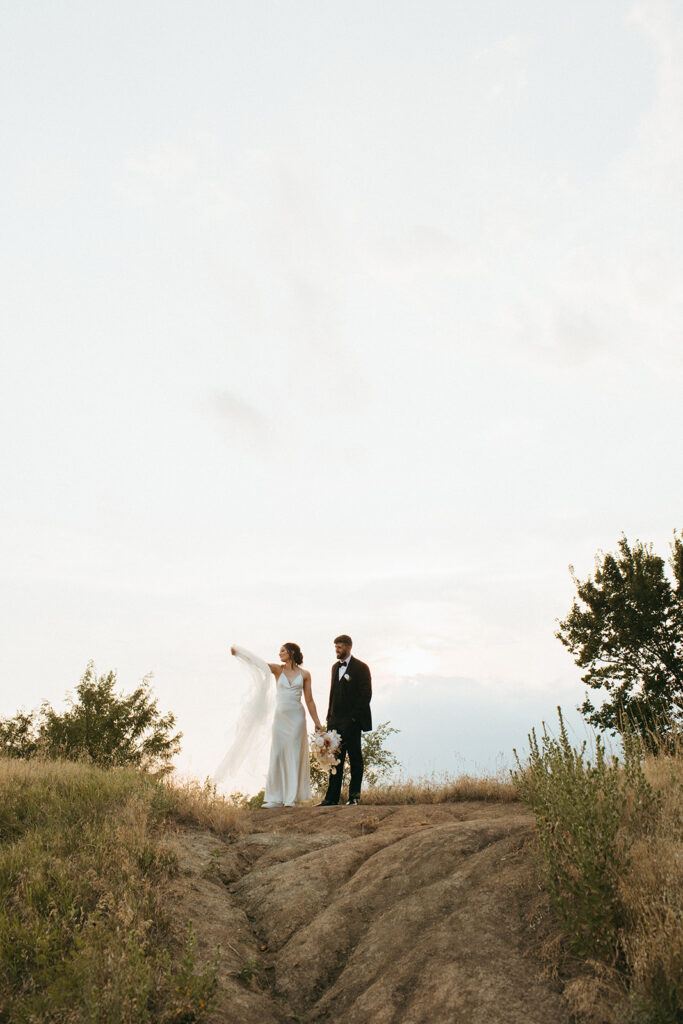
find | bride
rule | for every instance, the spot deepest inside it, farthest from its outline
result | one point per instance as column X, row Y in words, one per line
column 288, row 780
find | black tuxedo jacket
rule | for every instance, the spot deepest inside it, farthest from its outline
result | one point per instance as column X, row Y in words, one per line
column 350, row 698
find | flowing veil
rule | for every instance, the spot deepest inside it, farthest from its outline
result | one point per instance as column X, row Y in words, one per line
column 254, row 718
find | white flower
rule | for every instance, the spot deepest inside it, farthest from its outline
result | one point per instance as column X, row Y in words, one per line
column 324, row 747
column 347, row 677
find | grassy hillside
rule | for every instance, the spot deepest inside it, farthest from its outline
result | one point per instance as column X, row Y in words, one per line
column 610, row 849
column 83, row 872
column 86, row 870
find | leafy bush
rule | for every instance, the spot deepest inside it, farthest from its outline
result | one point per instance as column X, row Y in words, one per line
column 249, row 803
column 378, row 762
column 99, row 726
column 579, row 806
column 608, row 840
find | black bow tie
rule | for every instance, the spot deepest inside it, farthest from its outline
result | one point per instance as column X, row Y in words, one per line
column 341, row 663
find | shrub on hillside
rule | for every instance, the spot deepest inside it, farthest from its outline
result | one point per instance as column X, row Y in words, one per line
column 99, row 725
column 378, row 761
column 608, row 841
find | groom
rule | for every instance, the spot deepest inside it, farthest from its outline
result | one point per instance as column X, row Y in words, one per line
column 349, row 714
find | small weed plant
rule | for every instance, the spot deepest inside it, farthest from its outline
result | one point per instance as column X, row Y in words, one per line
column 248, row 970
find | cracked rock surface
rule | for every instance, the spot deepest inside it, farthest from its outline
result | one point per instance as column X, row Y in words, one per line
column 379, row 915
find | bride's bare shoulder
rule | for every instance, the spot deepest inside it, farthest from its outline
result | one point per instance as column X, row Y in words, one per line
column 275, row 669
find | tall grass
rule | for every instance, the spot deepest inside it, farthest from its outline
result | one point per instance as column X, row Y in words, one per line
column 609, row 834
column 83, row 933
column 443, row 789
column 193, row 803
column 651, row 893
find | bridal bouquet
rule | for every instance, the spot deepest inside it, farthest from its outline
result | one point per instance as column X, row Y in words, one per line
column 324, row 746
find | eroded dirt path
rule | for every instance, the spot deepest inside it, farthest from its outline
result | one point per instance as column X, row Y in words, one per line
column 379, row 915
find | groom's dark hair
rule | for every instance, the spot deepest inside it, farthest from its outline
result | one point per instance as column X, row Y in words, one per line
column 343, row 639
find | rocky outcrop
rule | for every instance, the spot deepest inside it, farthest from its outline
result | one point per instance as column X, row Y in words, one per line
column 379, row 915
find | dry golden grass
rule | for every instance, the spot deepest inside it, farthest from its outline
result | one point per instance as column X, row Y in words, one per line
column 443, row 789
column 83, row 879
column 19, row 772
column 191, row 803
column 652, row 890
column 640, row 977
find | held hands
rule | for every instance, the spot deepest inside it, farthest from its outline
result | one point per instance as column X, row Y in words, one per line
column 232, row 650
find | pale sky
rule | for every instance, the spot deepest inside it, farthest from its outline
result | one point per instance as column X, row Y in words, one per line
column 333, row 317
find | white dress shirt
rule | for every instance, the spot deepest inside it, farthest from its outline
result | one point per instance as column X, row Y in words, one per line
column 344, row 666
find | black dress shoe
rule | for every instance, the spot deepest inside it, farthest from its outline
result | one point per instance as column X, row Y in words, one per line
column 326, row 803
column 352, row 801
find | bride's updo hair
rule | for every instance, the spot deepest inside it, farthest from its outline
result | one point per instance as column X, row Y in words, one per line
column 294, row 652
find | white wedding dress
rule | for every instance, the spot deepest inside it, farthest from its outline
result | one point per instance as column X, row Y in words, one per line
column 288, row 780
column 289, row 775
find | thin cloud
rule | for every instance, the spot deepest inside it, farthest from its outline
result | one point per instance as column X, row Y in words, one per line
column 562, row 333
column 243, row 424
column 503, row 67
column 423, row 250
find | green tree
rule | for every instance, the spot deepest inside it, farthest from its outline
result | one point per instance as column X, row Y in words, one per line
column 378, row 762
column 99, row 725
column 626, row 631
column 18, row 735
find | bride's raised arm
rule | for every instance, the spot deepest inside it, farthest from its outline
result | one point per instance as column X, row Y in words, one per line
column 253, row 659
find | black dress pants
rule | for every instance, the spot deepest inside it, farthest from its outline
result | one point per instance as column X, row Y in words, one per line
column 350, row 745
